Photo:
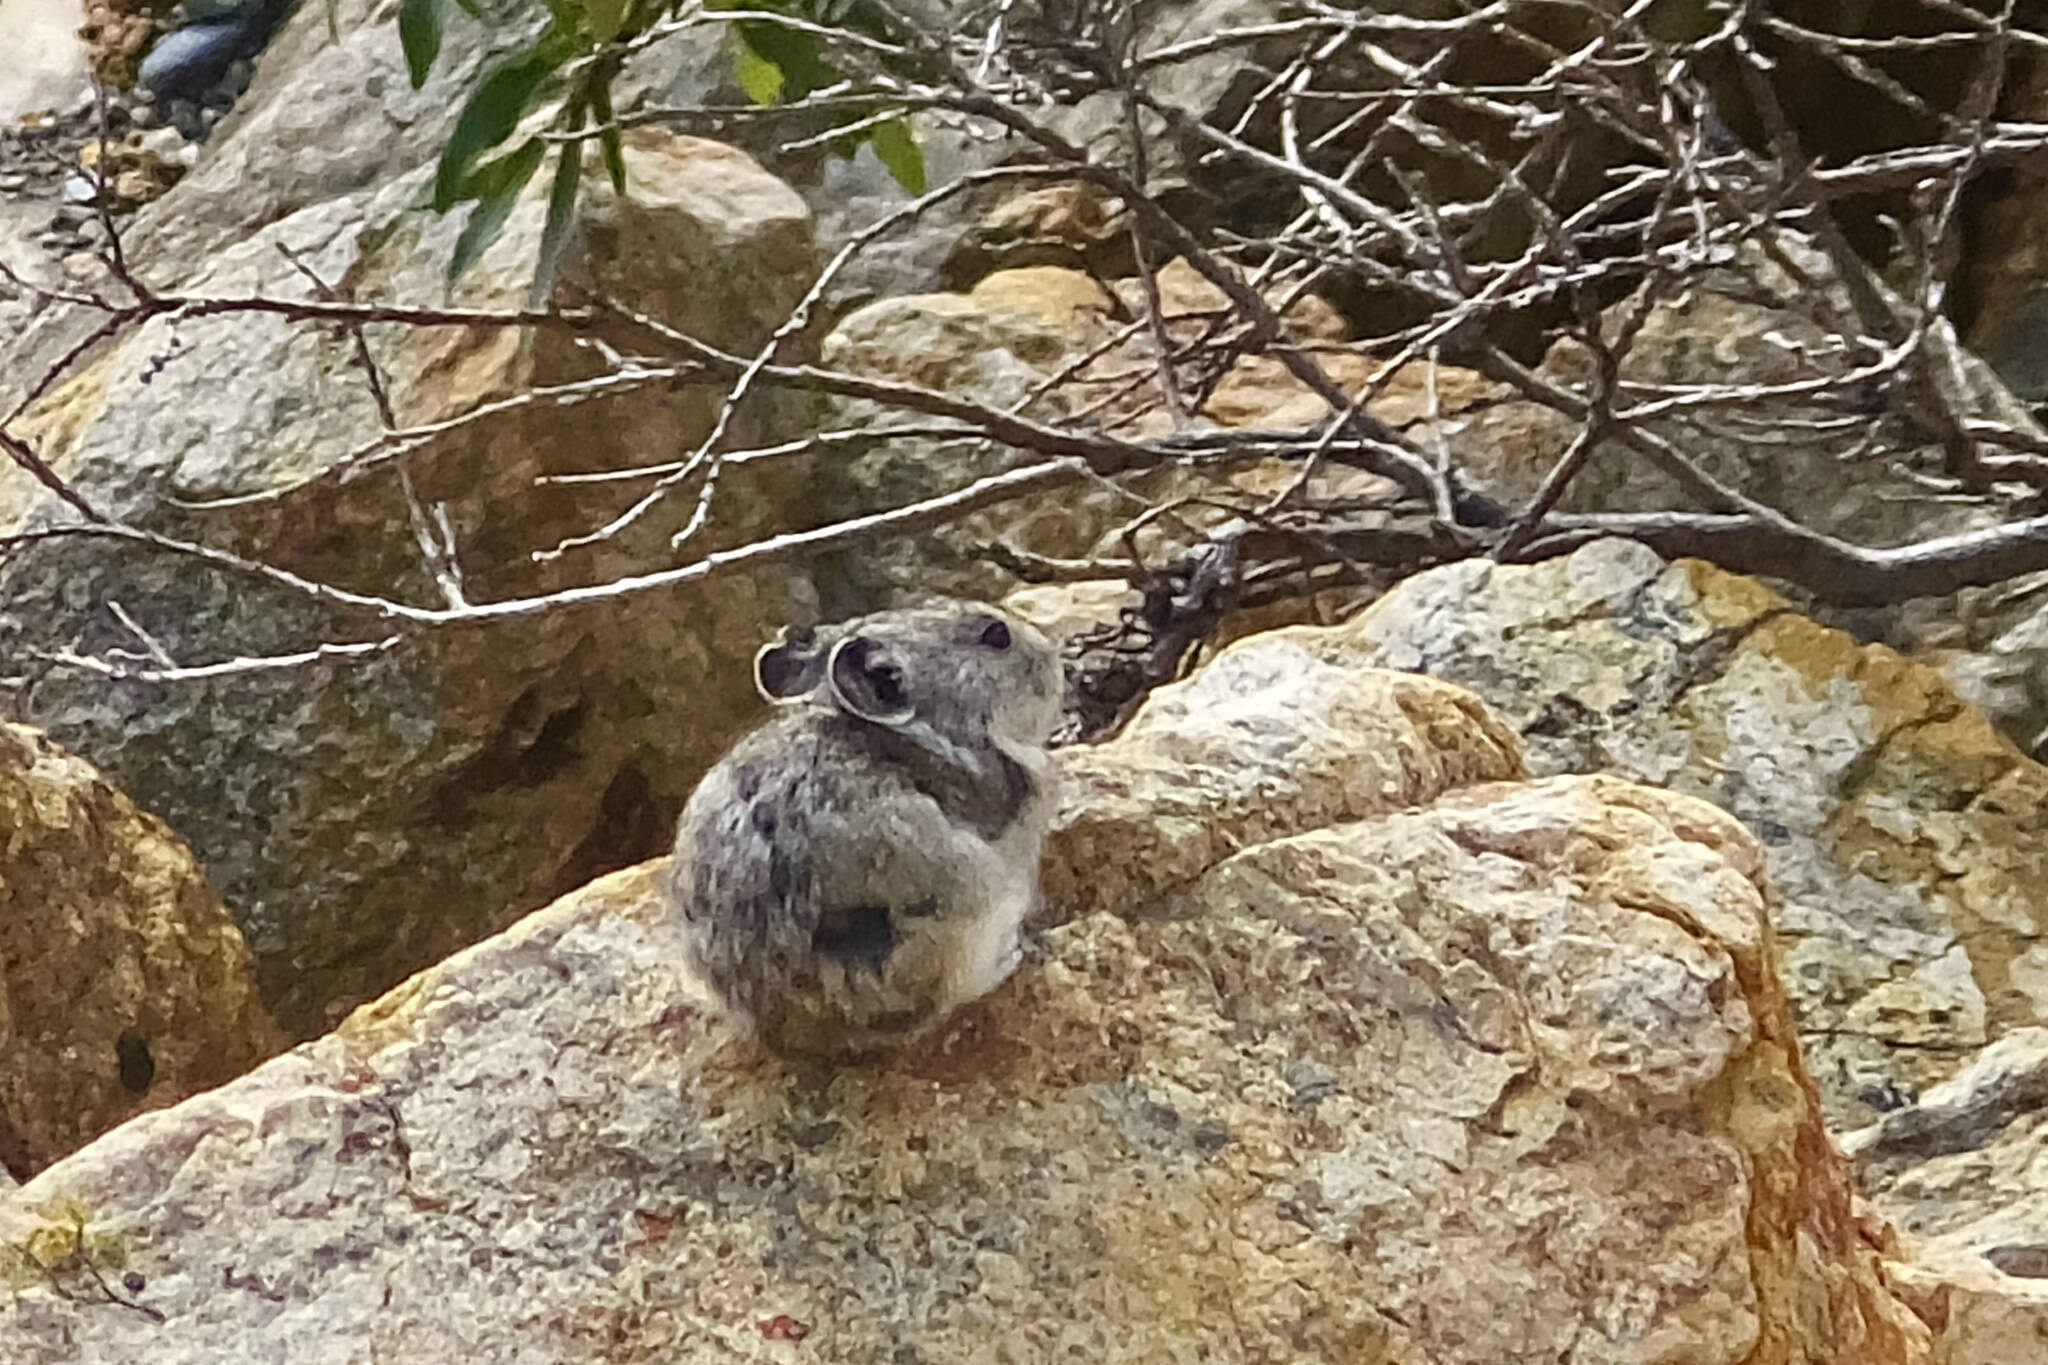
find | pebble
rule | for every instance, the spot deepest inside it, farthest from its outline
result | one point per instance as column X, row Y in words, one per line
column 163, row 143
column 78, row 190
column 185, row 118
column 189, row 60
column 85, row 267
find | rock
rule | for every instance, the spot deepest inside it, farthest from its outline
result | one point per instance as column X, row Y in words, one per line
column 1049, row 343
column 1002, row 345
column 1747, row 321
column 184, row 63
column 1958, row 1173
column 124, row 985
column 1065, row 610
column 46, row 63
column 1532, row 1029
column 365, row 818
column 1079, row 226
column 2005, row 275
column 1901, row 828
column 116, row 32
column 85, row 267
column 2018, row 349
column 220, row 11
column 1204, row 769
column 134, row 174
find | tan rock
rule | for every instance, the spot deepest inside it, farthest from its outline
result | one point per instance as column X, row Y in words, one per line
column 1068, row 302
column 1077, row 225
column 1046, row 342
column 1268, row 739
column 1505, row 1080
column 124, row 985
column 1185, row 293
column 1006, row 346
column 1065, row 610
column 1260, row 391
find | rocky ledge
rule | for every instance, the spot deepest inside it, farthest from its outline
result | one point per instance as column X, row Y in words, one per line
column 1503, row 1077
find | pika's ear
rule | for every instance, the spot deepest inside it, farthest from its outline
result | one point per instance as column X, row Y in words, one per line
column 867, row 683
column 792, row 666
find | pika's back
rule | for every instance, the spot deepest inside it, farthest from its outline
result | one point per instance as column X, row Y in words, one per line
column 862, row 863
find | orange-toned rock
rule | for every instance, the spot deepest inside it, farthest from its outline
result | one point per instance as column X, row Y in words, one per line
column 124, row 984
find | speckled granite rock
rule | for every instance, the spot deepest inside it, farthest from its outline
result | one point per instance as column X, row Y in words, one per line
column 1504, row 1080
column 365, row 819
column 1907, row 837
column 124, row 985
column 1959, row 1174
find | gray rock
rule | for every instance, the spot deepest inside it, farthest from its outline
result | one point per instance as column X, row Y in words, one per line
column 163, row 143
column 365, row 819
column 1897, row 821
column 2019, row 352
column 221, row 11
column 1959, row 1173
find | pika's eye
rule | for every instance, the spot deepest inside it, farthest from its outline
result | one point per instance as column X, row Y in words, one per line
column 995, row 635
column 886, row 682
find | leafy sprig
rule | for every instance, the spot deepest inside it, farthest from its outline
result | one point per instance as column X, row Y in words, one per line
column 574, row 61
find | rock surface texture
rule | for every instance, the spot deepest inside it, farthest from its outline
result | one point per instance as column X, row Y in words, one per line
column 124, row 985
column 1506, row 1078
column 540, row 750
column 1908, row 839
column 1959, row 1175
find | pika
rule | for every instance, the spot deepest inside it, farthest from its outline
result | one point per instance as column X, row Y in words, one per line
column 862, row 864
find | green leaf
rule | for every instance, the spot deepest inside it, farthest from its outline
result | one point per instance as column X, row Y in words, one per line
column 419, row 33
column 554, row 236
column 759, row 77
column 491, row 115
column 495, row 187
column 794, row 53
column 608, row 140
column 605, row 17
column 898, row 150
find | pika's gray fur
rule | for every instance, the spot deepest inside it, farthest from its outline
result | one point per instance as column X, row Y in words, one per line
column 862, row 864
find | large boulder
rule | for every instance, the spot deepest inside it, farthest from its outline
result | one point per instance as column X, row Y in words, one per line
column 1054, row 345
column 1506, row 1078
column 1903, row 831
column 366, row 815
column 124, row 985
